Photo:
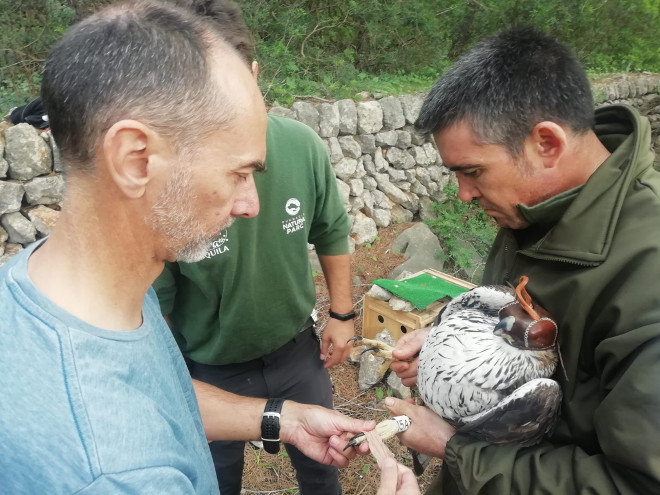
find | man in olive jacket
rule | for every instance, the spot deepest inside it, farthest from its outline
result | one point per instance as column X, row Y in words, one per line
column 576, row 195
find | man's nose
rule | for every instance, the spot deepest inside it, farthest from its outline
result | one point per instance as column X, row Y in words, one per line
column 246, row 203
column 466, row 191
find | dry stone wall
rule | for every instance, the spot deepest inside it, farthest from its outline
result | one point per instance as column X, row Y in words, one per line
column 386, row 171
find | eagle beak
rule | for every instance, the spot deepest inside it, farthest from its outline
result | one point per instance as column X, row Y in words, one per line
column 504, row 326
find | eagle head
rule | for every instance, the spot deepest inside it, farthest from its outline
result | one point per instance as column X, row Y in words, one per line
column 524, row 325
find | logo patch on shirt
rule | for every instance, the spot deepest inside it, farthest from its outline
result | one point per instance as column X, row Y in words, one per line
column 219, row 245
column 292, row 206
column 297, row 222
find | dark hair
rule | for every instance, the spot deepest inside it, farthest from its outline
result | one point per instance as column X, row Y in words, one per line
column 508, row 83
column 228, row 21
column 145, row 61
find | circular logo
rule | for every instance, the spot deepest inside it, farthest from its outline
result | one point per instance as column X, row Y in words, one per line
column 292, row 206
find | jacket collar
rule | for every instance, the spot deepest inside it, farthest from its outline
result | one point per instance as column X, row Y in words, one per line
column 585, row 218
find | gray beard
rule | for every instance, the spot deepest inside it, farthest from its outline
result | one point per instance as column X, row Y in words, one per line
column 196, row 250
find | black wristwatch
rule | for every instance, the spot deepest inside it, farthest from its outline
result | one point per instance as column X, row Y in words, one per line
column 342, row 316
column 270, row 425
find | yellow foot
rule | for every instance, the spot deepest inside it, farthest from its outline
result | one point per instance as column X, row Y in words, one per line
column 379, row 348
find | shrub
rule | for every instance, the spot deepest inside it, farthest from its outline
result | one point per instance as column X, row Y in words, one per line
column 462, row 229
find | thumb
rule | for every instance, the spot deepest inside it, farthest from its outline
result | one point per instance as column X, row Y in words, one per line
column 353, row 425
column 398, row 406
column 389, row 475
column 407, row 346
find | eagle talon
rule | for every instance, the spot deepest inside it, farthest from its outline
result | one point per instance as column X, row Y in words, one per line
column 379, row 349
column 355, row 440
column 385, row 429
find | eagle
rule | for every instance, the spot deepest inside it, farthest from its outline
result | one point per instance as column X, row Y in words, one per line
column 486, row 366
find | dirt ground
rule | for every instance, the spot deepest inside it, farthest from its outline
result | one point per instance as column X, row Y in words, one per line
column 272, row 474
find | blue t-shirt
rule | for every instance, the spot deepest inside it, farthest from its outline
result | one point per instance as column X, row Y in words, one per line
column 85, row 410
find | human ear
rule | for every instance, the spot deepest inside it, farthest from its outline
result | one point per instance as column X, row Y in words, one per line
column 255, row 69
column 127, row 148
column 549, row 141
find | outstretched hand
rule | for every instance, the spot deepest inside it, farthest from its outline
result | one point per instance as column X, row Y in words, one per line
column 405, row 353
column 319, row 433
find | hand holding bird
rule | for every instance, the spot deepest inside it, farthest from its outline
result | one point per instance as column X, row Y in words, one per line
column 485, row 365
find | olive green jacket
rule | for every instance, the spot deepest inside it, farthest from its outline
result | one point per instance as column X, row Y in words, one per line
column 593, row 258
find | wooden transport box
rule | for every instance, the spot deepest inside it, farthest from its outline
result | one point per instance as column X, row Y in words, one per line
column 378, row 315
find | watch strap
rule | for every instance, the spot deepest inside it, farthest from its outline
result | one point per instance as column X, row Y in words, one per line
column 270, row 425
column 343, row 316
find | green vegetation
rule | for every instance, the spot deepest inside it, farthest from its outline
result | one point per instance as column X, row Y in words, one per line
column 334, row 49
column 463, row 229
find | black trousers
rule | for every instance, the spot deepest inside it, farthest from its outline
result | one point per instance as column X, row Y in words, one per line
column 294, row 371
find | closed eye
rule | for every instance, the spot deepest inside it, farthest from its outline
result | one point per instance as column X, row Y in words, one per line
column 471, row 172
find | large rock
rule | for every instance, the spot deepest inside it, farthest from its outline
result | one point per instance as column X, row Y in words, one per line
column 424, row 155
column 364, row 229
column 307, row 114
column 395, row 194
column 346, row 168
column 421, row 248
column 369, row 182
column 350, row 147
column 26, row 152
column 411, row 105
column 400, row 215
column 11, row 196
column 370, row 117
column 19, row 228
column 367, row 143
column 348, row 117
column 328, row 120
column 404, row 139
column 357, row 187
column 282, row 112
column 393, row 117
column 386, row 138
column 344, row 192
column 45, row 190
column 334, row 150
column 380, row 163
column 400, row 159
column 371, row 366
column 43, row 218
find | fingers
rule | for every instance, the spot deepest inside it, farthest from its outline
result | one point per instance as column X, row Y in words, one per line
column 336, row 333
column 340, row 457
column 396, row 479
column 422, row 421
column 407, row 482
column 398, row 407
column 409, row 345
column 389, row 474
column 406, row 371
column 325, row 347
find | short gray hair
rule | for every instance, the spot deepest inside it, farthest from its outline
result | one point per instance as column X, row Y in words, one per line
column 146, row 61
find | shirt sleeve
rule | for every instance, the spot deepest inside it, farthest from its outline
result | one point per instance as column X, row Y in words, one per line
column 160, row 480
column 330, row 225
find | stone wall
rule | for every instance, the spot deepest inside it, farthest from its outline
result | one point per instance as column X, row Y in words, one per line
column 386, row 172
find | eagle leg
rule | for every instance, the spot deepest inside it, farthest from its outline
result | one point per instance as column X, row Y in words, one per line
column 379, row 349
column 385, row 429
